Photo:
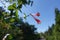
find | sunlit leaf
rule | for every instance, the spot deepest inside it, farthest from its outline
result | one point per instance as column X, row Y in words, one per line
column 12, row 20
column 14, row 5
column 10, row 37
column 10, row 0
column 11, row 7
column 16, row 13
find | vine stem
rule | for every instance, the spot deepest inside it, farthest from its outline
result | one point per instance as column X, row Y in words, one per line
column 5, row 36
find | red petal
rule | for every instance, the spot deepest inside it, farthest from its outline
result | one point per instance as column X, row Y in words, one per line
column 37, row 14
column 37, row 20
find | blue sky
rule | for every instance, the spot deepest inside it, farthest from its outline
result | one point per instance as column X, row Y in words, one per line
column 47, row 14
column 46, row 9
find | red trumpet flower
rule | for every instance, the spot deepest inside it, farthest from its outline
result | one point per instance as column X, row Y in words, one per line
column 37, row 20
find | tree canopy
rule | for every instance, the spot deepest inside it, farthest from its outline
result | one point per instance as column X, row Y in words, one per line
column 53, row 33
column 10, row 23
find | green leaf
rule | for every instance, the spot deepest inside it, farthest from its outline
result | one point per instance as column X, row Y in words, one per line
column 11, row 7
column 10, row 0
column 10, row 37
column 12, row 20
column 14, row 5
column 16, row 13
column 19, row 2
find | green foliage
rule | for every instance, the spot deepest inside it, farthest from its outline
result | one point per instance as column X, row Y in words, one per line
column 12, row 20
column 20, row 3
column 53, row 32
column 12, row 7
column 18, row 30
column 9, row 37
column 16, row 13
column 11, row 24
